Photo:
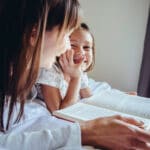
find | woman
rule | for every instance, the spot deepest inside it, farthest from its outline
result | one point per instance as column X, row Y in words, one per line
column 31, row 32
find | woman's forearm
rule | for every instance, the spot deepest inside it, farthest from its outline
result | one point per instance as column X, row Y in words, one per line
column 86, row 134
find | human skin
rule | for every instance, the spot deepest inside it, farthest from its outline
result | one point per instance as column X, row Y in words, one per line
column 116, row 132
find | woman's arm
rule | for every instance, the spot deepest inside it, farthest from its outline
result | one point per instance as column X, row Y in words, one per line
column 63, row 137
column 115, row 133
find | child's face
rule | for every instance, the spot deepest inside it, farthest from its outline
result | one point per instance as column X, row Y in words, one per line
column 82, row 43
column 54, row 46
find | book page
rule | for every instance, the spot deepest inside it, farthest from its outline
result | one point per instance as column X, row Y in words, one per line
column 119, row 101
column 83, row 112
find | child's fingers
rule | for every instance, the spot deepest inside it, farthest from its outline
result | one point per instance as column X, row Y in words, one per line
column 65, row 60
column 70, row 55
column 67, row 55
column 61, row 62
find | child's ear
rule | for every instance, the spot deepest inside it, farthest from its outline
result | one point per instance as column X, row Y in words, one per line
column 33, row 36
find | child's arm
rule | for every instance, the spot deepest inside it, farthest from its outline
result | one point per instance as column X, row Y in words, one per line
column 72, row 93
column 131, row 93
column 51, row 91
column 86, row 92
column 51, row 97
column 74, row 72
column 48, row 84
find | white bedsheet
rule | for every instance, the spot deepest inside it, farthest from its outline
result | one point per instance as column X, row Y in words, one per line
column 97, row 86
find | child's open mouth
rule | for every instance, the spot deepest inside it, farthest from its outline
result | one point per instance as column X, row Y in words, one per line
column 78, row 58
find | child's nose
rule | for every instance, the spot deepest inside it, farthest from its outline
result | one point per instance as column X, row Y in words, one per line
column 81, row 50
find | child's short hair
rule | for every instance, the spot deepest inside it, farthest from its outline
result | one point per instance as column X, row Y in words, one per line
column 84, row 26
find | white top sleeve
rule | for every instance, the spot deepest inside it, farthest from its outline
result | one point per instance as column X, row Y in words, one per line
column 51, row 77
column 38, row 130
column 66, row 137
column 54, row 77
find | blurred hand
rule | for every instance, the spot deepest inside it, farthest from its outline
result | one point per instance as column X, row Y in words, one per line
column 115, row 133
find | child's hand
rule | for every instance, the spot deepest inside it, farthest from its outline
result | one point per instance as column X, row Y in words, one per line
column 69, row 65
column 132, row 93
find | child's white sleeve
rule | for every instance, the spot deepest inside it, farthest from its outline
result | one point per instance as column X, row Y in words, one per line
column 49, row 77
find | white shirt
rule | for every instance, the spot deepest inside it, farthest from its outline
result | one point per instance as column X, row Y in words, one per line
column 39, row 130
column 54, row 77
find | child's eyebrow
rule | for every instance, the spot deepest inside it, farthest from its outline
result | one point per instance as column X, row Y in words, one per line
column 74, row 40
column 77, row 41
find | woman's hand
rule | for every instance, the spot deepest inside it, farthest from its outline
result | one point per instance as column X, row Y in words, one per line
column 115, row 133
column 69, row 66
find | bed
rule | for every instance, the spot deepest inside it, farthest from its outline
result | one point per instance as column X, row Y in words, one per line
column 38, row 119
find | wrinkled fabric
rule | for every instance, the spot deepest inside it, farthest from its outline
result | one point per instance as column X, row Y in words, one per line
column 39, row 130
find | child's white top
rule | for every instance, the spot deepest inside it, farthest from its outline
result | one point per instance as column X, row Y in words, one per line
column 54, row 77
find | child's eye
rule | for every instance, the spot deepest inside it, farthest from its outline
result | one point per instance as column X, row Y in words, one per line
column 73, row 45
column 87, row 48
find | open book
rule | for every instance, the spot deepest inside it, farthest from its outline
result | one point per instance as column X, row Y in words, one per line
column 108, row 103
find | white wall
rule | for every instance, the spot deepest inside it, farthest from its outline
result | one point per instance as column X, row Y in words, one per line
column 119, row 28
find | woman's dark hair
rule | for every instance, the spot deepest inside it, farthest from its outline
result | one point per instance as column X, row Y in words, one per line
column 19, row 60
column 84, row 26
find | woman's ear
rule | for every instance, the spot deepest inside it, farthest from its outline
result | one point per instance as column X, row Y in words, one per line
column 33, row 36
